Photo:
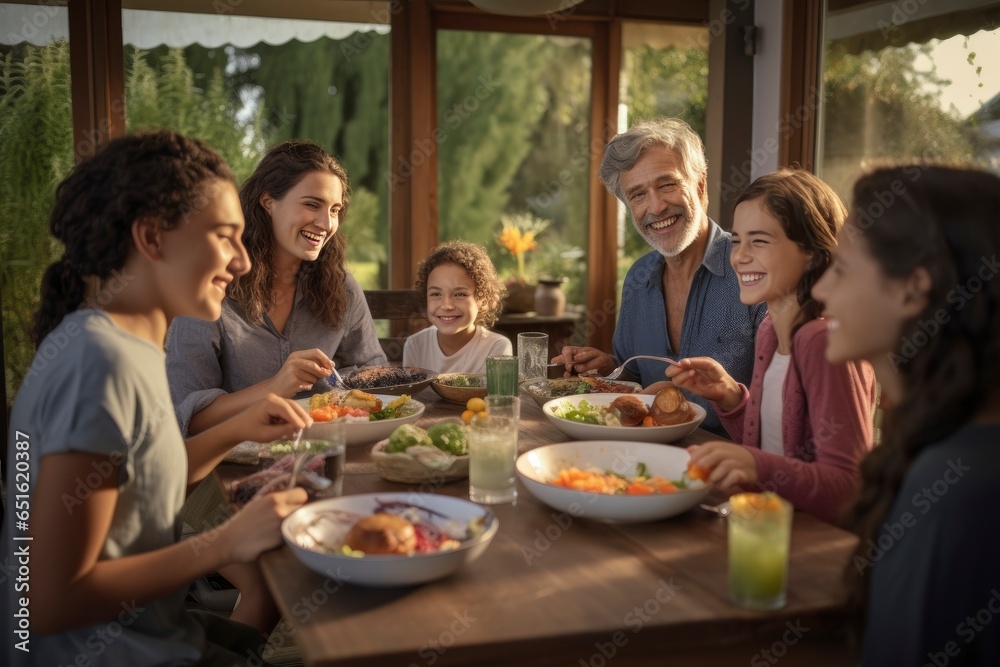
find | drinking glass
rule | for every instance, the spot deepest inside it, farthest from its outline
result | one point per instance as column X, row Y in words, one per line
column 760, row 530
column 532, row 355
column 493, row 451
column 501, row 375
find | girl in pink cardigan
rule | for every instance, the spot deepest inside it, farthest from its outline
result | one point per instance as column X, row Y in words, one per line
column 804, row 424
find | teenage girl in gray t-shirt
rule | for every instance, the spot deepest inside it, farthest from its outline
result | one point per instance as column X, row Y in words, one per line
column 98, row 469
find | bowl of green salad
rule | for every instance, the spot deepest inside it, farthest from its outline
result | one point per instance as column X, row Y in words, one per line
column 460, row 387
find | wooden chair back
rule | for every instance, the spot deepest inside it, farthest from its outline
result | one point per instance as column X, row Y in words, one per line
column 403, row 308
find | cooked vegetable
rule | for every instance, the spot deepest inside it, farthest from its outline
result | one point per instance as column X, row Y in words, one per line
column 407, row 436
column 395, row 409
column 449, row 437
column 596, row 481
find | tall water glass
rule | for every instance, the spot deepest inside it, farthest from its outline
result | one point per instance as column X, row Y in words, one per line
column 532, row 355
column 493, row 451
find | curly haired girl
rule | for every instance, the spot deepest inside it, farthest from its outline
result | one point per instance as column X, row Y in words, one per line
column 463, row 297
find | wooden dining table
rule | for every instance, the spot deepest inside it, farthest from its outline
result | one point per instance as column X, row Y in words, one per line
column 555, row 589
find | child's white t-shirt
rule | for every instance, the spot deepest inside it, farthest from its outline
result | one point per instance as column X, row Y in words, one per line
column 422, row 350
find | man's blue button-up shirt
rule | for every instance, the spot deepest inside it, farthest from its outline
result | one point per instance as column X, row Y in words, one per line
column 716, row 323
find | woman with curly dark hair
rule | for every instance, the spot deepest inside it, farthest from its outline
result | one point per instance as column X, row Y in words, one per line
column 295, row 315
column 803, row 425
column 462, row 297
column 914, row 289
column 151, row 226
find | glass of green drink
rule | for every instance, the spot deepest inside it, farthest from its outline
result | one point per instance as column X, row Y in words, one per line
column 501, row 375
column 760, row 530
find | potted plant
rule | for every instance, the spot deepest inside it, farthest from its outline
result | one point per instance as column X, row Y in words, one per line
column 518, row 235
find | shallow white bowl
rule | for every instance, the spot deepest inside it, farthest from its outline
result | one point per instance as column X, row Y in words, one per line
column 361, row 433
column 580, row 431
column 544, row 463
column 384, row 571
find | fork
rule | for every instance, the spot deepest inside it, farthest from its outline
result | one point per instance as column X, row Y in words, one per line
column 296, row 459
column 613, row 375
column 340, row 380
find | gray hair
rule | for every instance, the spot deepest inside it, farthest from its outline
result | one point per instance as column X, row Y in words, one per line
column 624, row 150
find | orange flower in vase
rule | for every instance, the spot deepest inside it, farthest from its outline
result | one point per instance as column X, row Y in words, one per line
column 518, row 236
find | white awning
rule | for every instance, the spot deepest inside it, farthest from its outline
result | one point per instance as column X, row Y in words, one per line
column 40, row 24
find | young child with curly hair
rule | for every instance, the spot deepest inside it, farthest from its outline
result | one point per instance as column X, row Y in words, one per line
column 463, row 297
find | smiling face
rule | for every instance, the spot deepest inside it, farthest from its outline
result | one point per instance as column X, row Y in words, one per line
column 306, row 217
column 668, row 209
column 451, row 300
column 203, row 254
column 866, row 311
column 769, row 264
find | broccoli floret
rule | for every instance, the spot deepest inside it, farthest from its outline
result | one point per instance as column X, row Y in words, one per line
column 449, row 437
column 406, row 436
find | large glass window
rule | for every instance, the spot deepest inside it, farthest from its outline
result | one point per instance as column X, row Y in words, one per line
column 36, row 152
column 244, row 83
column 664, row 73
column 909, row 80
column 513, row 147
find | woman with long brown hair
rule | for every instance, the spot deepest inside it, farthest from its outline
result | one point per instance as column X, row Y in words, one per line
column 295, row 315
column 804, row 424
column 914, row 289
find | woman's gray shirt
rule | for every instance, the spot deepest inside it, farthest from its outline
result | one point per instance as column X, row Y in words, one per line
column 208, row 359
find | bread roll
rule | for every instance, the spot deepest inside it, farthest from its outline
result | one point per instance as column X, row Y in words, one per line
column 631, row 410
column 670, row 407
column 382, row 534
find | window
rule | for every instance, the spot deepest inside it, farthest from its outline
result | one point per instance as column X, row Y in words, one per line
column 36, row 152
column 909, row 81
column 514, row 132
column 244, row 83
column 664, row 73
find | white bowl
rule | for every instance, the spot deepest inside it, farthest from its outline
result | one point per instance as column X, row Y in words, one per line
column 581, row 431
column 539, row 465
column 383, row 571
column 361, row 433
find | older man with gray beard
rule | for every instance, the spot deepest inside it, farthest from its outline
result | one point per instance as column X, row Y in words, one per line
column 683, row 298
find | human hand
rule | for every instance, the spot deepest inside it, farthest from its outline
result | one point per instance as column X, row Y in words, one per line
column 707, row 378
column 581, row 359
column 257, row 527
column 271, row 418
column 728, row 464
column 301, row 370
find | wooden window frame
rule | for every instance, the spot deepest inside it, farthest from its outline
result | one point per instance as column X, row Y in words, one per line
column 98, row 84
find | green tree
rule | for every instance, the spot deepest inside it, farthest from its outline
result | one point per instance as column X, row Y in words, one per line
column 488, row 106
column 36, row 144
column 166, row 97
column 881, row 105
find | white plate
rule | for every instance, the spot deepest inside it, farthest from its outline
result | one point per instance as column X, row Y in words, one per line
column 539, row 465
column 383, row 571
column 362, row 433
column 580, row 431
